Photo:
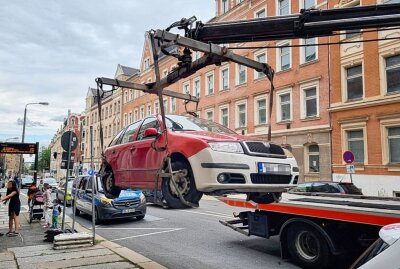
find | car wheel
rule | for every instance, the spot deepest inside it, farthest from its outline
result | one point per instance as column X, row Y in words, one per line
column 77, row 211
column 97, row 218
column 140, row 217
column 186, row 185
column 264, row 198
column 307, row 246
column 109, row 183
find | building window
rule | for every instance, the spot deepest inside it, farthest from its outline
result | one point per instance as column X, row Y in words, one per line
column 309, row 52
column 355, row 143
column 173, row 104
column 284, row 106
column 136, row 115
column 146, row 63
column 165, row 103
column 130, row 118
column 224, row 6
column 261, row 13
column 224, row 116
column 165, row 73
column 148, row 109
column 156, row 107
column 261, row 110
column 352, row 33
column 394, row 144
column 130, row 95
column 186, row 88
column 225, row 79
column 354, row 83
column 196, row 88
column 283, row 7
column 126, row 96
column 241, row 74
column 313, row 159
column 310, row 102
column 393, row 74
column 142, row 112
column 210, row 84
column 284, row 56
column 262, row 59
column 210, row 115
column 307, row 4
column 241, row 116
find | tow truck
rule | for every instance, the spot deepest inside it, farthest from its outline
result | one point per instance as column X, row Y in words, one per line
column 313, row 230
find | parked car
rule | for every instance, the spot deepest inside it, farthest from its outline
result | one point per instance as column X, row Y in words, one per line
column 384, row 253
column 327, row 187
column 26, row 181
column 52, row 182
column 128, row 204
column 211, row 157
column 60, row 192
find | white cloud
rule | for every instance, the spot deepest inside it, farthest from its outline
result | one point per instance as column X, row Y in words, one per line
column 51, row 51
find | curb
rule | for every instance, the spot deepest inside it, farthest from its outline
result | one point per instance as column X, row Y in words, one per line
column 124, row 252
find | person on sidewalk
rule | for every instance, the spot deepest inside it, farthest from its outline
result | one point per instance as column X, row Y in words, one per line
column 46, row 204
column 31, row 191
column 14, row 208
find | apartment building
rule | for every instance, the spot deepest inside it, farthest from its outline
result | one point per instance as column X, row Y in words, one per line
column 365, row 107
column 111, row 103
column 238, row 97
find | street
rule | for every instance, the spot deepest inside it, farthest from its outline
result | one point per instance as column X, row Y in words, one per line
column 191, row 238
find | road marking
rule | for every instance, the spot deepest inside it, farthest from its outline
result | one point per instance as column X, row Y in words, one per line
column 221, row 214
column 141, row 235
column 207, row 214
column 129, row 228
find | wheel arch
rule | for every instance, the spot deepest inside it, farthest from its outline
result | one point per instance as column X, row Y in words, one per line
column 283, row 235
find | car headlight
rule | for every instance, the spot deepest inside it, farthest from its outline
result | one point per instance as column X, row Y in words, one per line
column 105, row 201
column 142, row 198
column 230, row 147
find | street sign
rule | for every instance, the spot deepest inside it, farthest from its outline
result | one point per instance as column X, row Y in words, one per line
column 350, row 169
column 18, row 148
column 348, row 157
column 65, row 141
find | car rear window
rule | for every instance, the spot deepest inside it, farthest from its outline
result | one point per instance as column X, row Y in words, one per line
column 351, row 189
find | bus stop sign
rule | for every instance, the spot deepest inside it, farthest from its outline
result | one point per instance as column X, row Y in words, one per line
column 348, row 157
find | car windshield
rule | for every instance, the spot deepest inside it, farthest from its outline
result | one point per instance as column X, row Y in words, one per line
column 182, row 123
column 49, row 181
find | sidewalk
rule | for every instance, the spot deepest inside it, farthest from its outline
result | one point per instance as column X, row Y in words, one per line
column 29, row 250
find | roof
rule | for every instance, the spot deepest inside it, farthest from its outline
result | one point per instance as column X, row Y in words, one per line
column 129, row 71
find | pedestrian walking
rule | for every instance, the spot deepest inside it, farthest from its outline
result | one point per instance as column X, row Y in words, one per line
column 14, row 207
column 47, row 204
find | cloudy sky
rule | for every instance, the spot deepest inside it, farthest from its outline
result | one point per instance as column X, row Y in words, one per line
column 52, row 50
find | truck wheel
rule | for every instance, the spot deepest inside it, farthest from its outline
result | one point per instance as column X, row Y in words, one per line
column 264, row 198
column 186, row 185
column 307, row 246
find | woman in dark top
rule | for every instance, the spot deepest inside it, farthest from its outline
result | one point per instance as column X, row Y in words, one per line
column 14, row 207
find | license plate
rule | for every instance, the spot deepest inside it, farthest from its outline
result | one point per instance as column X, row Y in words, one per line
column 130, row 210
column 274, row 168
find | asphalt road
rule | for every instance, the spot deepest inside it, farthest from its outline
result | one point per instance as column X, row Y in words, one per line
column 191, row 238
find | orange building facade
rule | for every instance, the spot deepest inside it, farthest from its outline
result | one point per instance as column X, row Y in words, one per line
column 365, row 109
column 238, row 97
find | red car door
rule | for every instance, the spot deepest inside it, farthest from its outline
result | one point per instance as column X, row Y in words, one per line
column 146, row 161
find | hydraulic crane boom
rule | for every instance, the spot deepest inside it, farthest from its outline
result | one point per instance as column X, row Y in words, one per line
column 309, row 23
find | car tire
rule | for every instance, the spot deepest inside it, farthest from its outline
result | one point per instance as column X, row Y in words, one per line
column 307, row 246
column 264, row 198
column 140, row 217
column 109, row 182
column 97, row 219
column 191, row 194
column 77, row 211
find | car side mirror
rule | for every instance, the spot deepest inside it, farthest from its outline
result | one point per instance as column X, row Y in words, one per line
column 150, row 132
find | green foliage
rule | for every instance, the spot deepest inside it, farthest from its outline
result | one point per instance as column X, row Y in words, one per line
column 44, row 159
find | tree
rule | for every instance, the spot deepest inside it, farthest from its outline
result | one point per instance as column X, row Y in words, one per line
column 44, row 159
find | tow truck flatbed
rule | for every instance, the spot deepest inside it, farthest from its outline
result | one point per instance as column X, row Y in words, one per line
column 316, row 230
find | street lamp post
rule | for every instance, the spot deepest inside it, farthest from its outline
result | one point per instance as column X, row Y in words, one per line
column 23, row 139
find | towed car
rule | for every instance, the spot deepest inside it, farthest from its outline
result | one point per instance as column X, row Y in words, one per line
column 127, row 204
column 211, row 159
